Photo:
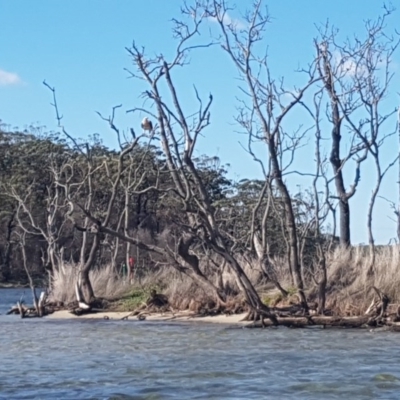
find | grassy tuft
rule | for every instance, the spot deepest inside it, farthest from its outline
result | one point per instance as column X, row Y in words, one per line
column 106, row 283
column 349, row 285
column 131, row 300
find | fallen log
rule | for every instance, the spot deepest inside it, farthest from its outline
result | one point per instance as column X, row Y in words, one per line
column 83, row 309
column 28, row 312
column 18, row 309
column 293, row 317
column 312, row 321
column 13, row 310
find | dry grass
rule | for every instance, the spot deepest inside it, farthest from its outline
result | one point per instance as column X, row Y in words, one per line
column 106, row 284
column 181, row 291
column 350, row 287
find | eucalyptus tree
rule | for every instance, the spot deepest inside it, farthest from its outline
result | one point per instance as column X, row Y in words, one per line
column 26, row 188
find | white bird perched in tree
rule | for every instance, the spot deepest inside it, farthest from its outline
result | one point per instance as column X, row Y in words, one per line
column 147, row 125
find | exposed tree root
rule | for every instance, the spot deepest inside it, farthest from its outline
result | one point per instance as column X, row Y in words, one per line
column 322, row 321
column 260, row 315
column 375, row 317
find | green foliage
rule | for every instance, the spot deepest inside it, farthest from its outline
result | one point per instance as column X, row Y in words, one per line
column 271, row 300
column 28, row 160
column 267, row 300
column 135, row 297
column 132, row 300
column 291, row 290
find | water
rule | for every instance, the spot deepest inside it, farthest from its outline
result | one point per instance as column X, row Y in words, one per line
column 48, row 359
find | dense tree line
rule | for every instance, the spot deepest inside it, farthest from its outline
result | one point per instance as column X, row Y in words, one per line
column 30, row 162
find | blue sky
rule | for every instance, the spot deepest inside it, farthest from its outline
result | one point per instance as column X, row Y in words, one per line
column 79, row 47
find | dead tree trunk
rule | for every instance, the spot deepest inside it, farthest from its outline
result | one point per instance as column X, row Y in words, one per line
column 355, row 77
column 195, row 272
column 5, row 259
column 290, row 225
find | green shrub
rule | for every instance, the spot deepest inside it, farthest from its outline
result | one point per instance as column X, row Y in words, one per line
column 133, row 299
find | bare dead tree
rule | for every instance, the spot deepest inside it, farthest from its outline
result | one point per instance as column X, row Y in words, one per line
column 353, row 79
column 28, row 223
column 38, row 304
column 72, row 190
column 178, row 137
column 267, row 109
column 331, row 76
column 64, row 180
column 132, row 180
column 124, row 217
column 396, row 207
column 322, row 208
column 96, row 225
column 68, row 171
column 262, row 245
column 397, row 211
column 372, row 89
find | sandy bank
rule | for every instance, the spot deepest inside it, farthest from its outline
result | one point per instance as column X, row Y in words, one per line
column 178, row 317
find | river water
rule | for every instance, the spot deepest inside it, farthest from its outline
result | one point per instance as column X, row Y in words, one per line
column 82, row 359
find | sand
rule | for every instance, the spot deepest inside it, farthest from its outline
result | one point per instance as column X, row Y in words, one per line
column 178, row 317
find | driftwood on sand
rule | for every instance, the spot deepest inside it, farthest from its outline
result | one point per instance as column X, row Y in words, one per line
column 40, row 307
column 378, row 315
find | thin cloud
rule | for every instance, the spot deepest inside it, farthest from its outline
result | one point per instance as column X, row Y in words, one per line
column 9, row 78
column 228, row 20
column 290, row 95
column 348, row 66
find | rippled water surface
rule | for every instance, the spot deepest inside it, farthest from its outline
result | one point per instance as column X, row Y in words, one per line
column 48, row 359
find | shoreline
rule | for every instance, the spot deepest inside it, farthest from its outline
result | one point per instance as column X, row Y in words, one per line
column 14, row 286
column 234, row 319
